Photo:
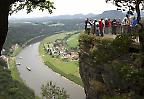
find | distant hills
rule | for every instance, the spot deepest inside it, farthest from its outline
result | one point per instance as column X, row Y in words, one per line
column 106, row 14
column 111, row 14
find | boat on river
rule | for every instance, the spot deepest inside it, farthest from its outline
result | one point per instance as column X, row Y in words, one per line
column 28, row 68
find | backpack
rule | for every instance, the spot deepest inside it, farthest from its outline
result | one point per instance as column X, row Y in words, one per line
column 106, row 23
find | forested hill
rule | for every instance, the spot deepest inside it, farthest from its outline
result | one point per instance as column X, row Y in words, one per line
column 111, row 14
column 106, row 14
column 21, row 30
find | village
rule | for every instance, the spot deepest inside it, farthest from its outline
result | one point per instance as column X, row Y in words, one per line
column 59, row 49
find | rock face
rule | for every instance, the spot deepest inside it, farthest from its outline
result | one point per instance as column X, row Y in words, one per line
column 110, row 67
column 93, row 70
column 91, row 77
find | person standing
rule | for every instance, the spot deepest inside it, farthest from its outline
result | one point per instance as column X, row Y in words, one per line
column 119, row 29
column 101, row 25
column 106, row 26
column 128, row 24
column 109, row 25
column 134, row 22
column 124, row 26
column 87, row 26
column 114, row 26
column 92, row 26
column 96, row 27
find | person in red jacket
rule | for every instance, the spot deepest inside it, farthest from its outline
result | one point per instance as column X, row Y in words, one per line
column 101, row 27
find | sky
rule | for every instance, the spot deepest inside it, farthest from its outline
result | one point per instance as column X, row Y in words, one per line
column 70, row 7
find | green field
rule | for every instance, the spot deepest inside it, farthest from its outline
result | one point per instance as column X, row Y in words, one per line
column 72, row 42
column 14, row 72
column 69, row 68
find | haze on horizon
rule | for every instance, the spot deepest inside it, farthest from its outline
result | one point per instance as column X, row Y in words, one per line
column 70, row 7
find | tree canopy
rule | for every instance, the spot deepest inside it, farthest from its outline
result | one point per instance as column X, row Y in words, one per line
column 30, row 5
column 51, row 91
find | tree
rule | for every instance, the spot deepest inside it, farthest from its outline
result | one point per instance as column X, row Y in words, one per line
column 10, row 6
column 133, row 5
column 51, row 91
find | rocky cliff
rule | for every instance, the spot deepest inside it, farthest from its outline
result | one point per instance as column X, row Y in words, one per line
column 108, row 67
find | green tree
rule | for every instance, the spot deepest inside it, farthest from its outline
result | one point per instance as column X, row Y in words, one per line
column 9, row 6
column 51, row 91
column 131, row 6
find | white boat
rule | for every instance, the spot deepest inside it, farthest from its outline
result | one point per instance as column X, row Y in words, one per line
column 18, row 63
column 28, row 68
column 20, row 57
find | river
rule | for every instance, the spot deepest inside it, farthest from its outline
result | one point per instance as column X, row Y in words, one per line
column 41, row 74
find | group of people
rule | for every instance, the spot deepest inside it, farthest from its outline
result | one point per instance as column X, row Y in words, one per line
column 106, row 26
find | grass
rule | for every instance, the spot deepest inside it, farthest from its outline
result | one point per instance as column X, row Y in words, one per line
column 72, row 42
column 14, row 72
column 12, row 65
column 54, row 37
column 37, row 97
column 68, row 68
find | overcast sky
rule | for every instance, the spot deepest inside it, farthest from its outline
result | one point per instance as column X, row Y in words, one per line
column 71, row 7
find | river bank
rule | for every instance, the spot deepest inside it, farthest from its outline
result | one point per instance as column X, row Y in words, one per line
column 41, row 74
